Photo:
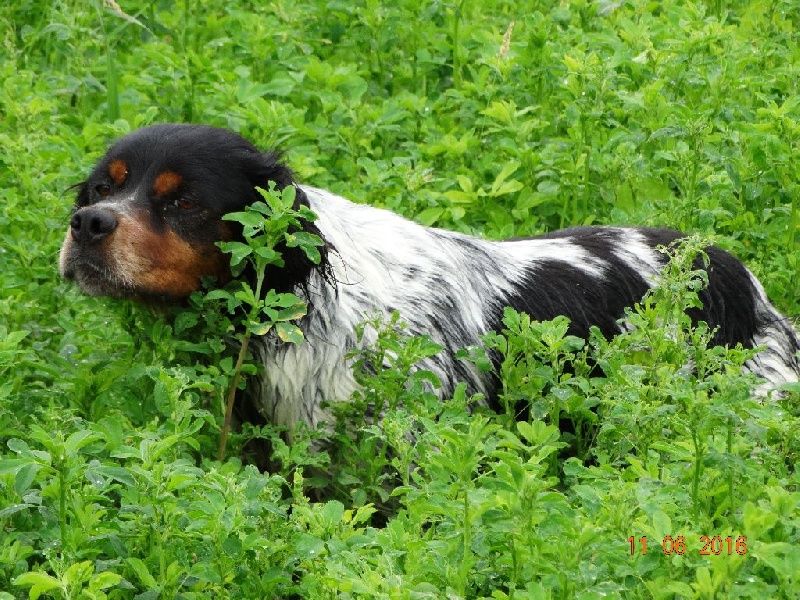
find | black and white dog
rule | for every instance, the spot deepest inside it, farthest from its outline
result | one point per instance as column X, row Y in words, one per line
column 148, row 216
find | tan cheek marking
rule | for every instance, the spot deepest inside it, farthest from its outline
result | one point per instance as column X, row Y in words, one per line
column 163, row 263
column 166, row 183
column 118, row 170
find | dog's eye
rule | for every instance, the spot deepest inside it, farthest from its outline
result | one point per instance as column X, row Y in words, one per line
column 182, row 203
column 102, row 190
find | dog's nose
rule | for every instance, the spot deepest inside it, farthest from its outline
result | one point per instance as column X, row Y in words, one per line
column 90, row 224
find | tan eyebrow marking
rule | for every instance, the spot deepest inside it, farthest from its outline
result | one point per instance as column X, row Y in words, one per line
column 118, row 170
column 166, row 183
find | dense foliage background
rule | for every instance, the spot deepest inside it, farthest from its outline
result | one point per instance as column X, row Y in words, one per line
column 494, row 117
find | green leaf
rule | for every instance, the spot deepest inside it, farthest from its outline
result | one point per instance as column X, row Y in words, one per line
column 80, row 439
column 548, row 188
column 703, row 583
column 267, row 254
column 261, row 208
column 332, row 512
column 120, row 474
column 573, row 64
column 282, row 84
column 662, row 524
column 429, row 216
column 249, row 91
column 25, row 476
column 364, row 513
column 283, row 300
column 504, row 173
column 465, row 183
column 308, row 242
column 500, row 110
column 232, row 303
column 40, row 583
column 257, row 328
column 308, row 546
column 237, row 250
column 232, row 546
column 77, row 573
column 354, row 87
column 12, row 465
column 289, row 333
column 248, row 219
column 459, row 197
column 18, row 446
column 142, row 572
column 246, row 295
column 289, row 195
column 12, row 339
column 305, row 213
column 219, row 294
column 290, row 314
column 757, row 520
column 312, row 254
column 104, row 580
column 13, row 509
column 185, row 321
column 508, row 187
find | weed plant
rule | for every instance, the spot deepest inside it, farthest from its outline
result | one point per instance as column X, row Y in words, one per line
column 496, row 118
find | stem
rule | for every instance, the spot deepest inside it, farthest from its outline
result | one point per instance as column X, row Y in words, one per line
column 62, row 508
column 112, row 90
column 112, row 93
column 794, row 222
column 237, row 373
column 698, row 458
column 158, row 542
column 555, row 419
column 465, row 560
column 586, row 176
column 564, row 211
column 514, row 568
column 731, row 467
column 456, row 54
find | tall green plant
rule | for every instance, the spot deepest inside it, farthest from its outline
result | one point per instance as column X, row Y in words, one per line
column 267, row 227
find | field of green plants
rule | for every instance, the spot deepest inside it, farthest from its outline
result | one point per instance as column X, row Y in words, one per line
column 493, row 117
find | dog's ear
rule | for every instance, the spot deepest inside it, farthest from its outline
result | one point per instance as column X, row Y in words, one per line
column 260, row 169
column 263, row 167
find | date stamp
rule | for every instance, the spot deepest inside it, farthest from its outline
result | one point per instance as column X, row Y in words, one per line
column 707, row 546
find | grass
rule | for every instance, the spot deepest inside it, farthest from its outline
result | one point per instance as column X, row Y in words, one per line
column 494, row 118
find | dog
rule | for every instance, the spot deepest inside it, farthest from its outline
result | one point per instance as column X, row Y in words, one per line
column 147, row 219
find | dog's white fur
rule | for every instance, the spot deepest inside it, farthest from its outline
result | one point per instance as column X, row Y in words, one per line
column 446, row 285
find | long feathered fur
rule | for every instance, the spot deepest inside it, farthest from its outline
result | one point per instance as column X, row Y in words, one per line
column 453, row 288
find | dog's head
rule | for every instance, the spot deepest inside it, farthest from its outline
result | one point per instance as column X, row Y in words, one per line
column 146, row 220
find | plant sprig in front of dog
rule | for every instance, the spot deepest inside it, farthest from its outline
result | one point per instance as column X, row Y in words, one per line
column 266, row 227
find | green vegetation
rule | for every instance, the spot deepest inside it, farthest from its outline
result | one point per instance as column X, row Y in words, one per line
column 494, row 117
